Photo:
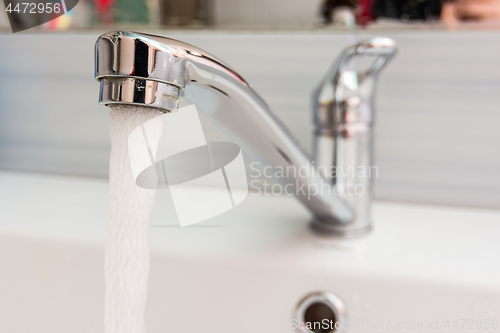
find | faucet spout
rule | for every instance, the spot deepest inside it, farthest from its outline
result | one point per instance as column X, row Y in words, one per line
column 147, row 70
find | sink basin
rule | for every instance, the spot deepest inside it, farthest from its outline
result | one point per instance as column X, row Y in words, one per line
column 423, row 268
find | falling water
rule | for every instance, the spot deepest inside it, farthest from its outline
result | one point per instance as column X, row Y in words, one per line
column 127, row 241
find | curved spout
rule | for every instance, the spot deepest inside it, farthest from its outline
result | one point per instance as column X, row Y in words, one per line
column 153, row 71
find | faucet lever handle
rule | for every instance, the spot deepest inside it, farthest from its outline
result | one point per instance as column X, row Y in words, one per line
column 346, row 85
column 381, row 48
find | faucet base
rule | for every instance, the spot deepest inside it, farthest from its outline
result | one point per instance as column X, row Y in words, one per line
column 326, row 229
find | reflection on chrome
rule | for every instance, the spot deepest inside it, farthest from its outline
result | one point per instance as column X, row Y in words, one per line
column 343, row 116
column 148, row 70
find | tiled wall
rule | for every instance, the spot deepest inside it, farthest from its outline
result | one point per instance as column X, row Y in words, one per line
column 438, row 105
column 265, row 13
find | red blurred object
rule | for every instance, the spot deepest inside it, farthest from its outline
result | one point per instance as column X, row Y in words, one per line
column 365, row 12
column 104, row 10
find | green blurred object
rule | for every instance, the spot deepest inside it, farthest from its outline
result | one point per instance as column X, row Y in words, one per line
column 124, row 11
column 130, row 11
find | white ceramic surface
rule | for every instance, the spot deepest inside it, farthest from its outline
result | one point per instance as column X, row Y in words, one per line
column 245, row 270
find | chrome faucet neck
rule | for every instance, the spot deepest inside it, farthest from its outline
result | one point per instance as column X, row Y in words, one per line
column 343, row 116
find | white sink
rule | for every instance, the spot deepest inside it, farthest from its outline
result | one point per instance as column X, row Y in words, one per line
column 422, row 267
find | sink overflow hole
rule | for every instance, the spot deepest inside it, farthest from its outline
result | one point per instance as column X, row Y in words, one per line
column 321, row 318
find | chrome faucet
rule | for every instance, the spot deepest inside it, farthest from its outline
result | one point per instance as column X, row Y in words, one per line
column 343, row 106
column 153, row 71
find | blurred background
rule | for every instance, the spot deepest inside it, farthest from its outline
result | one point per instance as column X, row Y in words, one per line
column 437, row 104
column 276, row 14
